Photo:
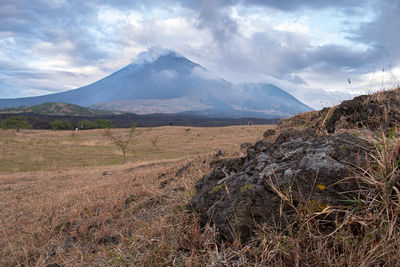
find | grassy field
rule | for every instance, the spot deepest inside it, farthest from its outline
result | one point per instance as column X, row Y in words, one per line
column 39, row 150
column 57, row 206
column 66, row 200
column 86, row 209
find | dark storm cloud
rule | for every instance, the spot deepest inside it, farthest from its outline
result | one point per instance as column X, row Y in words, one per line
column 337, row 56
column 291, row 5
column 35, row 21
column 284, row 5
column 383, row 33
column 221, row 24
column 264, row 52
column 33, row 17
column 59, row 22
column 212, row 13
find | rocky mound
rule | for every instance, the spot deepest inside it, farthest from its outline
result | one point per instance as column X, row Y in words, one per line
column 240, row 193
column 379, row 111
column 307, row 164
column 374, row 112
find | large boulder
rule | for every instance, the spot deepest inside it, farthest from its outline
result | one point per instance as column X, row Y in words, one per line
column 240, row 193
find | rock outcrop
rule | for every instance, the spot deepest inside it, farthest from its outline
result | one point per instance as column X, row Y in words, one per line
column 243, row 192
column 380, row 111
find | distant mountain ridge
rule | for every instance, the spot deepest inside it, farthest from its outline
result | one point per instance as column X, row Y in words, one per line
column 162, row 81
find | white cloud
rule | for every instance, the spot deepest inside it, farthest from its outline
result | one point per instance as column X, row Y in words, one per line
column 296, row 25
column 150, row 55
column 302, row 46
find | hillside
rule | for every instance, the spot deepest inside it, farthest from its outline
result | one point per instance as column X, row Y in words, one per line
column 57, row 109
column 166, row 82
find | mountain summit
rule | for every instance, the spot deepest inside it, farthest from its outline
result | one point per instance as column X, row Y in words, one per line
column 162, row 81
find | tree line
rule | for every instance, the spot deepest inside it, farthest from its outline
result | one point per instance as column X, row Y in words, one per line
column 21, row 122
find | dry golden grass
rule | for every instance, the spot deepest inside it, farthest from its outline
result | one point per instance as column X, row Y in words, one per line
column 365, row 231
column 81, row 216
column 132, row 215
column 38, row 150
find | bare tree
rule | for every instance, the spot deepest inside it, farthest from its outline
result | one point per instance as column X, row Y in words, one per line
column 121, row 142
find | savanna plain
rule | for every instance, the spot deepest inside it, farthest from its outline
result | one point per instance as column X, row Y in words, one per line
column 67, row 198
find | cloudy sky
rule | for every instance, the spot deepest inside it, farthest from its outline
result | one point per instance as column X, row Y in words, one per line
column 311, row 48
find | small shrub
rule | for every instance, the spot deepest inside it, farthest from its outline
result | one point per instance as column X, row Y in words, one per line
column 61, row 125
column 103, row 124
column 121, row 142
column 154, row 141
column 85, row 124
column 97, row 124
column 15, row 122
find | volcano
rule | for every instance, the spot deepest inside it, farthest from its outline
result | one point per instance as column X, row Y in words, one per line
column 163, row 81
